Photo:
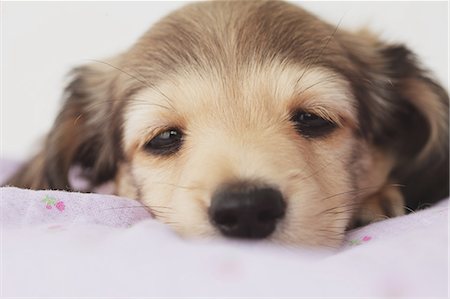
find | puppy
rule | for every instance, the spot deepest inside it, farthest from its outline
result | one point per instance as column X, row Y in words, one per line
column 254, row 120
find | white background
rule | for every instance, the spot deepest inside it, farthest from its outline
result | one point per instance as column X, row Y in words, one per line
column 42, row 41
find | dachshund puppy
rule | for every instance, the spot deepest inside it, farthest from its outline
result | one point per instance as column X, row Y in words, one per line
column 254, row 120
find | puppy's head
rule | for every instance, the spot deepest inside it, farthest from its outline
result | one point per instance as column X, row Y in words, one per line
column 252, row 119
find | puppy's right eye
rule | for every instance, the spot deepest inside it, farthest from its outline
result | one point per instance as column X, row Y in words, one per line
column 165, row 143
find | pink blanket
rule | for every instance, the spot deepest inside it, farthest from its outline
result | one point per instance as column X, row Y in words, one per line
column 67, row 244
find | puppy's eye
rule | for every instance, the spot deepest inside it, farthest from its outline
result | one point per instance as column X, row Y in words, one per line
column 165, row 143
column 311, row 125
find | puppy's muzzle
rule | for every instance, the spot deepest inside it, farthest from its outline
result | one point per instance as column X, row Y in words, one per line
column 246, row 211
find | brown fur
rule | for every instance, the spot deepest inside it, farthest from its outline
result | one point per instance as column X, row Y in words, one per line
column 230, row 74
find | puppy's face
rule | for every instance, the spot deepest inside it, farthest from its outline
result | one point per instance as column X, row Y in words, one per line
column 254, row 120
column 274, row 136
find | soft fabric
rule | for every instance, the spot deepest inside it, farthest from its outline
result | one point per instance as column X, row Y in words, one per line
column 68, row 244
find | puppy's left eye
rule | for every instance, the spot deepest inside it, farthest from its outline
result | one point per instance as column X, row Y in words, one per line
column 311, row 125
column 165, row 143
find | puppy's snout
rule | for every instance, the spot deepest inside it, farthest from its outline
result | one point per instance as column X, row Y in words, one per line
column 246, row 211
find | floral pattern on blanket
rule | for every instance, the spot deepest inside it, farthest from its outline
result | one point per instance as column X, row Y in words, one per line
column 51, row 201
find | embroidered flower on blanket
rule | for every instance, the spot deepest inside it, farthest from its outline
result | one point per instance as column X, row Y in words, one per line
column 51, row 201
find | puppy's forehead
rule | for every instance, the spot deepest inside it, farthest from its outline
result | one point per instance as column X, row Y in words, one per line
column 230, row 34
column 272, row 88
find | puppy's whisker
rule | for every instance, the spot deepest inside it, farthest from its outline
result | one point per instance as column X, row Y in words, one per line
column 165, row 212
column 423, row 205
column 322, row 50
column 317, row 171
column 346, row 205
column 298, row 174
column 152, row 210
column 94, row 106
column 160, row 207
column 322, row 81
column 347, row 218
column 122, row 71
column 133, row 101
column 323, row 230
column 359, row 190
column 333, row 236
column 179, row 186
column 136, row 102
column 123, row 208
column 342, row 209
column 143, row 81
column 161, row 217
column 337, row 210
column 409, row 209
column 172, row 223
column 336, row 213
column 154, row 87
column 378, row 217
column 160, row 213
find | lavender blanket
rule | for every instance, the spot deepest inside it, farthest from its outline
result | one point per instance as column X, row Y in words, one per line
column 65, row 244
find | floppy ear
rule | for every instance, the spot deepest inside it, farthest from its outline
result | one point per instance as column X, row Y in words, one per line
column 403, row 112
column 420, row 142
column 84, row 133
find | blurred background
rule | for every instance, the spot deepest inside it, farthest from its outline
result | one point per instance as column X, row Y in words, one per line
column 42, row 41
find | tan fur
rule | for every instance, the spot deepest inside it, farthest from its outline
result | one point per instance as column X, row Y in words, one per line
column 385, row 203
column 243, row 136
column 230, row 75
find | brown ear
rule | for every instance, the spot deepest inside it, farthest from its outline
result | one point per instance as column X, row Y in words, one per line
column 83, row 133
column 403, row 112
column 421, row 142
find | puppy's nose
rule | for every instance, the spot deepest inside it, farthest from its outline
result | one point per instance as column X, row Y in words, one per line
column 246, row 212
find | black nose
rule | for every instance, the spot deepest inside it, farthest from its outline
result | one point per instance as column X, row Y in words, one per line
column 244, row 211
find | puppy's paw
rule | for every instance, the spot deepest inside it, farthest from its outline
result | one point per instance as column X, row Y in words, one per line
column 386, row 203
